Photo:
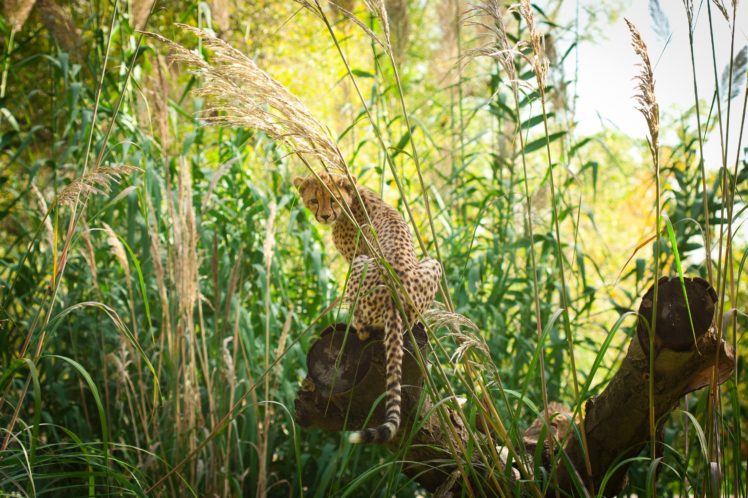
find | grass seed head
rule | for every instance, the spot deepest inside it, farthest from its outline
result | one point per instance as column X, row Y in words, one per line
column 96, row 181
column 17, row 11
column 242, row 94
column 645, row 98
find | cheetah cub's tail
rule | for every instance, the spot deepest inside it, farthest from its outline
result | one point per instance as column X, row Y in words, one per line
column 393, row 343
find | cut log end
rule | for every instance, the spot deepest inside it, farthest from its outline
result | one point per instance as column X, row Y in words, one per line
column 673, row 329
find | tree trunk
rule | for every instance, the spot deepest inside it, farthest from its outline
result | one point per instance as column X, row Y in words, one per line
column 346, row 377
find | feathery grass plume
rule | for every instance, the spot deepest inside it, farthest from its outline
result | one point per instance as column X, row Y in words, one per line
column 41, row 206
column 217, row 175
column 186, row 260
column 399, row 23
column 59, row 22
column 460, row 327
column 140, row 10
column 645, row 99
column 538, row 59
column 443, row 67
column 17, row 11
column 242, row 94
column 118, row 250
column 660, row 23
column 647, row 105
column 220, row 15
column 96, row 181
column 378, row 8
column 90, row 256
column 153, row 108
column 734, row 75
column 498, row 48
column 267, row 246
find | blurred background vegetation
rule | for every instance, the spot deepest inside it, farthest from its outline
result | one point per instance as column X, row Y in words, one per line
column 161, row 282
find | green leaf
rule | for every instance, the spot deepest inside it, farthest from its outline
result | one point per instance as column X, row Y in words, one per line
column 399, row 148
column 541, row 142
column 529, row 123
column 674, row 245
column 361, row 73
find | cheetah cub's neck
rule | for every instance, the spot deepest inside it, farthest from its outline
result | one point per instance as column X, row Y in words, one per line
column 374, row 217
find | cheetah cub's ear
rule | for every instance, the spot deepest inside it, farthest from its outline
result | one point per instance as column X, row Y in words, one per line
column 298, row 182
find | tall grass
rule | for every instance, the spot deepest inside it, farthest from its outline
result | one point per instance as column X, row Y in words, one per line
column 161, row 283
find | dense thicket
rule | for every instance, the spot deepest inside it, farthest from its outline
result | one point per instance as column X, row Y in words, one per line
column 160, row 282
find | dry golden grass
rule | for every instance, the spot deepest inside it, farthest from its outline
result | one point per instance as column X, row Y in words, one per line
column 60, row 24
column 221, row 13
column 646, row 99
column 399, row 22
column 16, row 12
column 241, row 94
column 489, row 16
column 140, row 10
column 538, row 58
column 96, row 181
column 41, row 206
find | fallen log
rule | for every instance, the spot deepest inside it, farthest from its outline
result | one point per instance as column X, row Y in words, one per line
column 617, row 421
column 346, row 378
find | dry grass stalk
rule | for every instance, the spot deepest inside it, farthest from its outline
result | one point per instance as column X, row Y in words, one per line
column 723, row 10
column 158, row 271
column 186, row 261
column 159, row 89
column 118, row 250
column 41, row 206
column 60, row 24
column 16, row 12
column 378, row 8
column 341, row 7
column 443, row 67
column 185, row 264
column 645, row 99
column 244, row 95
column 267, row 246
column 96, row 181
column 90, row 256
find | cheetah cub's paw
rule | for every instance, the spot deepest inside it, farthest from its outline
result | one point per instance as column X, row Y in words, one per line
column 363, row 334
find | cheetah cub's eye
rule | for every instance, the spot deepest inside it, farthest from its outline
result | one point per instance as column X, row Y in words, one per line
column 314, row 202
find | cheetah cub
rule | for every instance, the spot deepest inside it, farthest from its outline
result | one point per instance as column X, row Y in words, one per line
column 373, row 304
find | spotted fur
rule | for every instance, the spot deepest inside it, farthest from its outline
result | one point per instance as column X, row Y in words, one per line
column 372, row 303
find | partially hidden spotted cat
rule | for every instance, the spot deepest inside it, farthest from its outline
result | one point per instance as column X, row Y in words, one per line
column 374, row 305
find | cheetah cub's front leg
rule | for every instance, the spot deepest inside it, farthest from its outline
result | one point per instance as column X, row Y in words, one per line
column 367, row 295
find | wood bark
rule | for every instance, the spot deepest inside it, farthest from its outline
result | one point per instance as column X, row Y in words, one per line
column 346, row 378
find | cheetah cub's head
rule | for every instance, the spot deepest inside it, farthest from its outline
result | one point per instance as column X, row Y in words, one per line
column 317, row 198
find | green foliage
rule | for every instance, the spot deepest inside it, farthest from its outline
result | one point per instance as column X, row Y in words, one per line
column 153, row 330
